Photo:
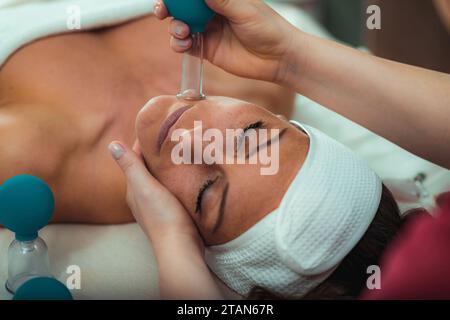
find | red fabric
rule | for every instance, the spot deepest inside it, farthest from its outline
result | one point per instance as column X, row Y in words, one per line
column 418, row 264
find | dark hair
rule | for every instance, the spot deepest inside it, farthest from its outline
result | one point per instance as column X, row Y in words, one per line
column 349, row 279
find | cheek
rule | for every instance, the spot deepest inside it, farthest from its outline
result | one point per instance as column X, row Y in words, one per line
column 147, row 145
column 249, row 200
column 182, row 181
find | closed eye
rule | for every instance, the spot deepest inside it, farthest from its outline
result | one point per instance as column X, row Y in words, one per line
column 256, row 125
column 203, row 189
column 253, row 126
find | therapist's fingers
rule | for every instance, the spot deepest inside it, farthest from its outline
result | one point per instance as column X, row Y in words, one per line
column 156, row 210
column 137, row 175
column 178, row 29
column 180, row 45
column 160, row 10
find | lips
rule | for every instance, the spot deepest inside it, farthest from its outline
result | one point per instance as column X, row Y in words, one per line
column 169, row 123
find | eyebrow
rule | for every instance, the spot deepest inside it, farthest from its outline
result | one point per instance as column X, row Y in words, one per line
column 267, row 143
column 219, row 221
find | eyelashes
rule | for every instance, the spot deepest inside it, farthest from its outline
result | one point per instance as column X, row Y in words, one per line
column 203, row 189
column 256, row 125
column 208, row 183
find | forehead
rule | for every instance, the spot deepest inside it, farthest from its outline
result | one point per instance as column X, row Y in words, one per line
column 217, row 111
column 223, row 112
column 161, row 105
column 223, row 106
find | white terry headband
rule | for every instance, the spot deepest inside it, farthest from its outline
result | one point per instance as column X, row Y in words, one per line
column 327, row 209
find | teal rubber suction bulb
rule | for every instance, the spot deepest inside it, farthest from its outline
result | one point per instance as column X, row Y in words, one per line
column 43, row 289
column 26, row 206
column 196, row 14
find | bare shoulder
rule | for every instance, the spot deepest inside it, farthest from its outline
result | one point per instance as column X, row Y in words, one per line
column 25, row 150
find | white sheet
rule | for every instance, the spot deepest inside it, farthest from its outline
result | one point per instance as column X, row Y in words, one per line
column 117, row 261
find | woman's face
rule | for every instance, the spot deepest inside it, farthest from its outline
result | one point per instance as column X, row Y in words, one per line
column 224, row 200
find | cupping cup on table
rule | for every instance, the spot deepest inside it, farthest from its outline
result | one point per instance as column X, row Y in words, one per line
column 26, row 206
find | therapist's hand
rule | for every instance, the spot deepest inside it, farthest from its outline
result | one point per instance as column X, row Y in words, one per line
column 248, row 38
column 157, row 211
column 176, row 242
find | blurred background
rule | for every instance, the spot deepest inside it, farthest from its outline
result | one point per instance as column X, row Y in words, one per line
column 416, row 32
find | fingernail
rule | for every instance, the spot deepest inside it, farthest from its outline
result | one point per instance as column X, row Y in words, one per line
column 157, row 8
column 179, row 30
column 117, row 151
column 182, row 43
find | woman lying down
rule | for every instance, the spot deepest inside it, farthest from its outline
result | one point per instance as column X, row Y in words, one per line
column 308, row 230
column 58, row 116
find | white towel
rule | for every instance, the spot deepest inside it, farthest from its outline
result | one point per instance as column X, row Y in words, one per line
column 328, row 207
column 23, row 21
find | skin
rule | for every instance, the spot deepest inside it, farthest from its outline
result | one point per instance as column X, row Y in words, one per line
column 161, row 195
column 241, row 181
column 249, row 39
column 58, row 116
column 443, row 7
column 394, row 100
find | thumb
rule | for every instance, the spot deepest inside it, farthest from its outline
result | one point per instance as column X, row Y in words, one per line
column 136, row 173
column 231, row 9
